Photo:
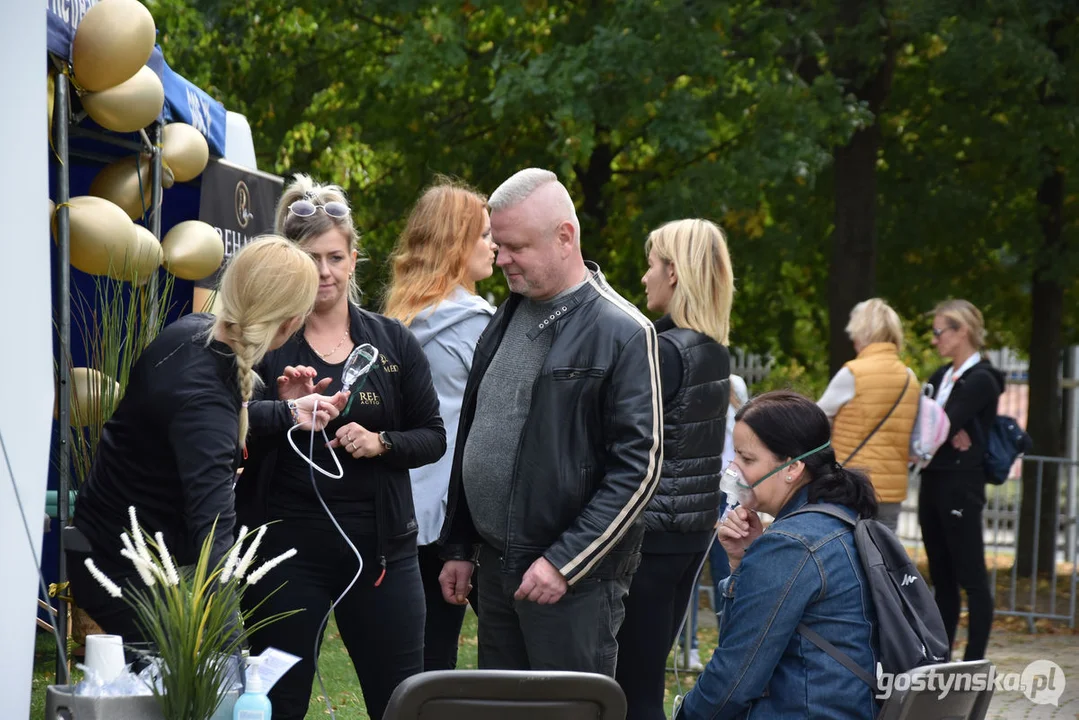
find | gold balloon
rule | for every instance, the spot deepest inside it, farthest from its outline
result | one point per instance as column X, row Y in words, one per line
column 52, row 99
column 102, row 236
column 114, row 40
column 127, row 183
column 130, row 106
column 185, row 150
column 148, row 257
column 193, row 250
column 90, row 391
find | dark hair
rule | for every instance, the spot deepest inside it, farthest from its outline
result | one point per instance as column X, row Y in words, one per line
column 789, row 424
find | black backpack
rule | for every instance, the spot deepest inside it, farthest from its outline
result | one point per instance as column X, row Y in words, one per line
column 910, row 629
column 1005, row 443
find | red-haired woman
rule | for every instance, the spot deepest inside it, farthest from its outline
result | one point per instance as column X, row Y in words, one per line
column 443, row 252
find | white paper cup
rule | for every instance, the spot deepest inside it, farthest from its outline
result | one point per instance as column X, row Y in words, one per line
column 105, row 656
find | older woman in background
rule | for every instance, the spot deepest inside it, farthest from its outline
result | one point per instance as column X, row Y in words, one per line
column 873, row 402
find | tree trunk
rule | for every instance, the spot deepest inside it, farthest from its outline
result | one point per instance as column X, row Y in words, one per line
column 1044, row 409
column 852, row 272
column 593, row 203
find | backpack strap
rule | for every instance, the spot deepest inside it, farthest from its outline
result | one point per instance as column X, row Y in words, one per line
column 836, row 654
column 883, row 420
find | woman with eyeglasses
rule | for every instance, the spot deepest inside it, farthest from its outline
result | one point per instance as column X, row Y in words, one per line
column 390, row 425
column 952, row 492
column 443, row 252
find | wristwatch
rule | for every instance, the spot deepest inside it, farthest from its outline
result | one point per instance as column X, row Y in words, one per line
column 385, row 440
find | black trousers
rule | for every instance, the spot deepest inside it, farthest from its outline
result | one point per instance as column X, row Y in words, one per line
column 576, row 633
column 950, row 513
column 442, row 630
column 381, row 627
column 657, row 601
column 114, row 615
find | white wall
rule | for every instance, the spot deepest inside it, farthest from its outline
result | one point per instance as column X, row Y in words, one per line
column 25, row 326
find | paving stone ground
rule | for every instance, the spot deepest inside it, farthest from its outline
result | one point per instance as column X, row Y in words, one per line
column 1012, row 652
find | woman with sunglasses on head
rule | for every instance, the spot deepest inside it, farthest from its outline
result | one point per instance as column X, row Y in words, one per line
column 803, row 569
column 690, row 281
column 390, row 425
column 952, row 492
column 443, row 252
column 172, row 446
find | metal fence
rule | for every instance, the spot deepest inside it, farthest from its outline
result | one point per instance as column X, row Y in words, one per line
column 1050, row 593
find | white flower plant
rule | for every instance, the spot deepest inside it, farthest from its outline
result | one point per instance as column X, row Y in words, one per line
column 192, row 616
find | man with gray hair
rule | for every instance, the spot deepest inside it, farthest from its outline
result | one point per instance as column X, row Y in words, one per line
column 559, row 446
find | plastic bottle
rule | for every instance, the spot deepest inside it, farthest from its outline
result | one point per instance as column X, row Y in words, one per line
column 253, row 704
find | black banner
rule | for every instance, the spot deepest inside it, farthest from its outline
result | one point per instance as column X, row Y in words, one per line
column 239, row 203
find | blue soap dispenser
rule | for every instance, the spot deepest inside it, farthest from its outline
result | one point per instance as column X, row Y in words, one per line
column 253, row 704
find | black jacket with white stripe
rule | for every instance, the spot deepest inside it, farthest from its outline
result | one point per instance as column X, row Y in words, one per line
column 590, row 454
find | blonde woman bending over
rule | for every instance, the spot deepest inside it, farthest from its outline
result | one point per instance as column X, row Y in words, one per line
column 691, row 283
column 444, row 251
column 172, row 446
column 872, row 402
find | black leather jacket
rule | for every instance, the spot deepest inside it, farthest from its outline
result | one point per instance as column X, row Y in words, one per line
column 591, row 451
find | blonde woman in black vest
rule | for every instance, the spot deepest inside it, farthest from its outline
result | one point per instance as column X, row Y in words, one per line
column 690, row 282
column 872, row 402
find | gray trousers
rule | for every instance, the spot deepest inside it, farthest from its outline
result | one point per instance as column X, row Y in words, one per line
column 577, row 633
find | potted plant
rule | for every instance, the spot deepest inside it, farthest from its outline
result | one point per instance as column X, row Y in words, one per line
column 192, row 616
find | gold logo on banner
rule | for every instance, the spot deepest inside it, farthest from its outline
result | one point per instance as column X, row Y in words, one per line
column 243, row 204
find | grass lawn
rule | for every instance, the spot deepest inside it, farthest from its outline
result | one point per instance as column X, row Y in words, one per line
column 341, row 684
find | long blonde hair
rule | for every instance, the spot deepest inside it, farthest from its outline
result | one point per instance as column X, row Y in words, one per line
column 704, row 293
column 301, row 229
column 431, row 257
column 269, row 282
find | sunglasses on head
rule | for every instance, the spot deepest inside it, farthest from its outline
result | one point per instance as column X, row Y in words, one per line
column 306, row 208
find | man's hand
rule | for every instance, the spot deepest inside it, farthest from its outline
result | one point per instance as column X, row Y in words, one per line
column 299, row 381
column 456, row 581
column 542, row 584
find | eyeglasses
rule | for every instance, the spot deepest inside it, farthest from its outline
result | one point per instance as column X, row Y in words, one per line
column 306, row 208
column 937, row 332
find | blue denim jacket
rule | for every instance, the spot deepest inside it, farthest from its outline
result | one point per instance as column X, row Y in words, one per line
column 802, row 569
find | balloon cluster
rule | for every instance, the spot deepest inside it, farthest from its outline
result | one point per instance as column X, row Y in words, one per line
column 119, row 92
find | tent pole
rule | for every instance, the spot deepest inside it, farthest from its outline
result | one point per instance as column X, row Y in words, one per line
column 157, row 195
column 61, row 115
column 120, row 142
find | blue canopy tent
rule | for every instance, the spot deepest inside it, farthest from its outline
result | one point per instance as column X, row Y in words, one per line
column 80, row 150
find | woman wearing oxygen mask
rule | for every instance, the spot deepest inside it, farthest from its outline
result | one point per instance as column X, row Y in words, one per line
column 172, row 446
column 803, row 569
column 351, row 496
column 443, row 252
column 690, row 281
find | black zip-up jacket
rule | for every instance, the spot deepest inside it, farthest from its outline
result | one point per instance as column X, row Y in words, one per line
column 971, row 406
column 682, row 515
column 590, row 454
column 170, row 449
column 402, row 379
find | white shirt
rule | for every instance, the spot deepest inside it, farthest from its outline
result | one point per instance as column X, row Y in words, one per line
column 840, row 392
column 950, row 376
